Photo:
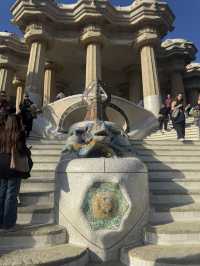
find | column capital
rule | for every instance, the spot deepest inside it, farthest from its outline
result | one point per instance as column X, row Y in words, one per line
column 17, row 82
column 7, row 62
column 37, row 32
column 147, row 36
column 92, row 34
column 49, row 65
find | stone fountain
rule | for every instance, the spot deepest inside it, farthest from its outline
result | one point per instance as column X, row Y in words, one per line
column 102, row 187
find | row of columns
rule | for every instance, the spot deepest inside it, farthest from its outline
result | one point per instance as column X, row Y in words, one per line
column 40, row 82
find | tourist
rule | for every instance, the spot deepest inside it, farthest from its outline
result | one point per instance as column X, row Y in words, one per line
column 168, row 102
column 177, row 102
column 195, row 112
column 163, row 118
column 13, row 154
column 179, row 122
column 5, row 106
column 27, row 114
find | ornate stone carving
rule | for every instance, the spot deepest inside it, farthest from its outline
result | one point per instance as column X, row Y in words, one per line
column 104, row 206
column 146, row 36
column 193, row 67
column 37, row 32
column 92, row 34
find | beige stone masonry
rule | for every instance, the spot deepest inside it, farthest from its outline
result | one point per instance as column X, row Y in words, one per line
column 147, row 40
column 19, row 85
column 92, row 38
column 49, row 83
column 35, row 73
column 6, row 77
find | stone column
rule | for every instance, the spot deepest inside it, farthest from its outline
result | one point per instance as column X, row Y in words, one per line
column 147, row 40
column 92, row 38
column 93, row 63
column 6, row 77
column 177, row 84
column 38, row 38
column 19, row 85
column 35, row 73
column 49, row 83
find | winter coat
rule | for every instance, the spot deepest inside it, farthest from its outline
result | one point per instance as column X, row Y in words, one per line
column 5, row 160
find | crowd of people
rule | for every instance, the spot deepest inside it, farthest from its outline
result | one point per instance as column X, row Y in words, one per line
column 176, row 111
column 15, row 156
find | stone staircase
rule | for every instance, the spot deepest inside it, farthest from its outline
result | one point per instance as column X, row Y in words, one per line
column 192, row 132
column 171, row 239
column 173, row 235
column 37, row 240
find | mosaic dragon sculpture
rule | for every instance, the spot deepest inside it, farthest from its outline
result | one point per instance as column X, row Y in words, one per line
column 96, row 136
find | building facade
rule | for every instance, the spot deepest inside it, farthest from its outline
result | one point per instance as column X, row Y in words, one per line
column 65, row 47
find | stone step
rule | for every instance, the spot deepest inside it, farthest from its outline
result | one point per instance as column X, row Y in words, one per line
column 48, row 147
column 166, row 213
column 175, row 198
column 38, row 185
column 44, row 166
column 156, row 143
column 177, row 190
column 45, row 152
column 178, row 185
column 36, row 198
column 36, row 214
column 169, row 166
column 170, row 175
column 166, row 152
column 167, row 159
column 32, row 236
column 175, row 233
column 43, row 174
column 165, row 147
column 45, row 158
column 59, row 255
column 109, row 263
column 46, row 142
column 157, row 255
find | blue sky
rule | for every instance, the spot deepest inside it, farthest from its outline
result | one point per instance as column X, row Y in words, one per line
column 186, row 25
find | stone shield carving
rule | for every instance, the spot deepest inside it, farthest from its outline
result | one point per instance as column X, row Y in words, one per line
column 103, row 202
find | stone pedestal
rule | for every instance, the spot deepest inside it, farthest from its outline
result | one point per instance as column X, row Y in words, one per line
column 103, row 203
column 35, row 73
column 49, row 83
column 151, row 89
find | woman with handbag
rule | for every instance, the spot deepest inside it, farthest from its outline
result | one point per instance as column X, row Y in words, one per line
column 13, row 167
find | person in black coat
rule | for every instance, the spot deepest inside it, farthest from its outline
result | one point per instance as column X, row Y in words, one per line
column 179, row 123
column 163, row 117
column 27, row 115
column 12, row 141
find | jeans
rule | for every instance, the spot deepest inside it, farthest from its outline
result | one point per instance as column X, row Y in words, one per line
column 9, row 189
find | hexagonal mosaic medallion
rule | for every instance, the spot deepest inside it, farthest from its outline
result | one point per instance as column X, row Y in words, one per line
column 104, row 206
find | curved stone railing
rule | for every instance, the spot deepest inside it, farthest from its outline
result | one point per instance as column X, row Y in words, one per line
column 60, row 115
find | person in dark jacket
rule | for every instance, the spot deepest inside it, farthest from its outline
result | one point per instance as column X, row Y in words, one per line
column 27, row 115
column 12, row 140
column 163, row 117
column 179, row 123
